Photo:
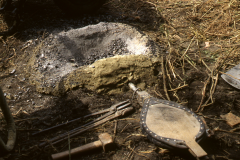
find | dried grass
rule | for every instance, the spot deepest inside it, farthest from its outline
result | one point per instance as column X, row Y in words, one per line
column 194, row 32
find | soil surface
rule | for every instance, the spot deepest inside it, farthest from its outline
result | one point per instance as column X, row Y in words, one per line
column 34, row 111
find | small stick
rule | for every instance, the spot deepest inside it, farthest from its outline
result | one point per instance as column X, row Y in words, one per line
column 224, row 60
column 26, row 119
column 167, row 73
column 206, row 12
column 183, row 66
column 206, row 65
column 199, row 51
column 212, row 90
column 203, row 93
column 131, row 152
column 189, row 61
column 179, row 76
column 220, row 130
column 214, row 22
column 141, row 135
column 171, row 67
column 179, row 87
column 187, row 48
column 115, row 128
column 17, row 112
column 213, row 118
column 137, row 153
column 125, row 119
column 159, row 94
column 125, row 127
column 164, row 79
column 149, row 151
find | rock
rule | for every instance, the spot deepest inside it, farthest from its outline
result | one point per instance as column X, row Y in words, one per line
column 13, row 71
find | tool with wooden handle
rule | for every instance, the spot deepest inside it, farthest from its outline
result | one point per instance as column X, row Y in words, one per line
column 105, row 141
column 169, row 124
column 120, row 111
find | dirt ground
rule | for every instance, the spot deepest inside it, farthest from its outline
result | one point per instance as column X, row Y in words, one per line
column 199, row 40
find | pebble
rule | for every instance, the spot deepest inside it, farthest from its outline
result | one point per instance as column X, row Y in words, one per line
column 13, row 71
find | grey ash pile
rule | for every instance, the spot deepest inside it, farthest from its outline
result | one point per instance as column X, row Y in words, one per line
column 64, row 52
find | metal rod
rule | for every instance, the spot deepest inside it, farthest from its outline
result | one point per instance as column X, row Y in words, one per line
column 81, row 127
column 59, row 125
column 81, row 130
column 92, row 114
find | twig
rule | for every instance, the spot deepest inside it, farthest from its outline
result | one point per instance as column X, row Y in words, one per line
column 167, row 73
column 220, row 130
column 149, row 151
column 159, row 94
column 125, row 127
column 203, row 92
column 164, row 79
column 137, row 153
column 141, row 135
column 206, row 12
column 169, row 44
column 213, row 22
column 212, row 118
column 189, row 61
column 171, row 67
column 206, row 65
column 183, row 67
column 179, row 87
column 187, row 48
column 212, row 90
column 26, row 119
column 50, row 144
column 17, row 112
column 131, row 152
column 199, row 51
column 115, row 128
column 125, row 119
column 224, row 60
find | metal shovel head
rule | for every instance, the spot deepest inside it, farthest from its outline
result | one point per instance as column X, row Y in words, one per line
column 171, row 125
column 233, row 76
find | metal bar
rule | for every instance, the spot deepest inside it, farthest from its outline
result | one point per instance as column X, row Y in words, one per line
column 81, row 130
column 113, row 107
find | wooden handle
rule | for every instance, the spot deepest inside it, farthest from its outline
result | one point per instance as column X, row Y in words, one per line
column 77, row 150
column 196, row 148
